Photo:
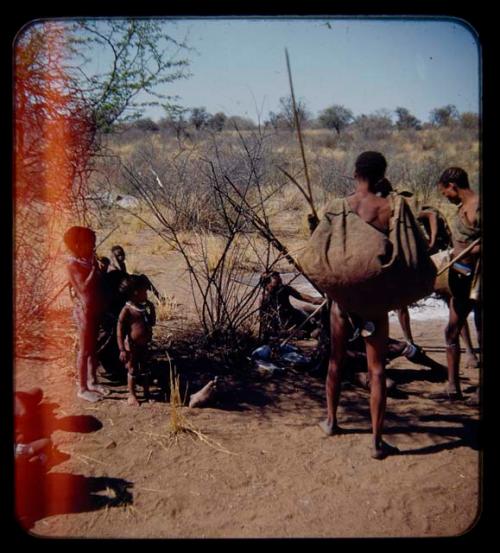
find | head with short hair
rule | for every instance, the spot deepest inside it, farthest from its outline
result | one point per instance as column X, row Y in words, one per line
column 118, row 252
column 80, row 241
column 370, row 166
column 275, row 280
column 451, row 182
column 135, row 287
column 270, row 280
column 104, row 262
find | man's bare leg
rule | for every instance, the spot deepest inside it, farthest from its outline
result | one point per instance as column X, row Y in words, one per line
column 338, row 338
column 472, row 361
column 458, row 315
column 132, row 397
column 92, row 380
column 404, row 321
column 82, row 362
column 478, row 323
column 376, row 346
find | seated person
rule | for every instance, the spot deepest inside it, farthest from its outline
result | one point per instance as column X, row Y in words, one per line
column 356, row 355
column 277, row 314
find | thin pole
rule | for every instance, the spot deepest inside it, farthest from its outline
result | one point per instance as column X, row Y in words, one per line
column 302, row 324
column 459, row 256
column 299, row 133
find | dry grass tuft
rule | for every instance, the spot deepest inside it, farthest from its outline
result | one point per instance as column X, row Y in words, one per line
column 167, row 308
column 178, row 423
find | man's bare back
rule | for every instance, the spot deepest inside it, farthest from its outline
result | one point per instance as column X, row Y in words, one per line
column 374, row 210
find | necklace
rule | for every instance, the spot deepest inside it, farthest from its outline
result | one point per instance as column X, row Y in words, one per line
column 85, row 262
column 136, row 307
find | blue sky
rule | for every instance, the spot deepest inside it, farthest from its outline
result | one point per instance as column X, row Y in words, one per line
column 364, row 64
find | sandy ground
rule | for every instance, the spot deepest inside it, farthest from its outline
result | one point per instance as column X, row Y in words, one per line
column 274, row 473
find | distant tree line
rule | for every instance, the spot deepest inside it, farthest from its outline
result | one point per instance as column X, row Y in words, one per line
column 336, row 118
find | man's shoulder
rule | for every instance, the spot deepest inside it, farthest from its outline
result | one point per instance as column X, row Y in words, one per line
column 125, row 310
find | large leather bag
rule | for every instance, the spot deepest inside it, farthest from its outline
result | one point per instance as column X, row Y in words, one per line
column 364, row 270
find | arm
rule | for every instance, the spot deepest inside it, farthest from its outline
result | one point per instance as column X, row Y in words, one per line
column 152, row 313
column 433, row 224
column 306, row 297
column 153, row 289
column 80, row 283
column 121, row 332
column 476, row 250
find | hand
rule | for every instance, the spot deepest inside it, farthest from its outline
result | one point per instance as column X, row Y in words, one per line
column 124, row 356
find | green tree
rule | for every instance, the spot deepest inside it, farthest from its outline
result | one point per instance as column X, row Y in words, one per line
column 376, row 124
column 405, row 120
column 140, row 59
column 217, row 121
column 335, row 117
column 444, row 116
column 469, row 120
column 199, row 117
column 286, row 114
column 277, row 121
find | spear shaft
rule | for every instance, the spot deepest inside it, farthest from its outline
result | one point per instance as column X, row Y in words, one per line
column 299, row 134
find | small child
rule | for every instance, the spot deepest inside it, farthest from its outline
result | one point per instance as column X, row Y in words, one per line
column 103, row 263
column 85, row 283
column 117, row 262
column 135, row 331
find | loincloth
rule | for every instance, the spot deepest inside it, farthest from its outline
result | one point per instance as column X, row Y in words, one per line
column 465, row 287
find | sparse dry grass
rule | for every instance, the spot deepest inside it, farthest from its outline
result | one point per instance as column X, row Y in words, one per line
column 167, row 308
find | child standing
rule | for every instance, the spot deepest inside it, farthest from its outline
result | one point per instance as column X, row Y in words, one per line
column 135, row 331
column 85, row 281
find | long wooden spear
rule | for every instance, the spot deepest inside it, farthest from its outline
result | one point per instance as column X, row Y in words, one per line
column 459, row 256
column 299, row 134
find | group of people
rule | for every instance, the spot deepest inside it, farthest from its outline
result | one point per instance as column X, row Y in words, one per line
column 105, row 295
column 464, row 280
column 346, row 329
column 107, row 299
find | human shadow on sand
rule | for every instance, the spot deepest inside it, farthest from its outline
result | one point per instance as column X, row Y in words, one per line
column 40, row 493
column 466, row 435
column 41, row 421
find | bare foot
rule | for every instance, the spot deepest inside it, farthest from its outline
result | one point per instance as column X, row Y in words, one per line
column 471, row 361
column 87, row 395
column 330, row 429
column 132, row 400
column 99, row 389
column 382, row 449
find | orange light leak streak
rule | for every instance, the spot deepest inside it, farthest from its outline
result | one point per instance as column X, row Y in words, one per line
column 48, row 121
